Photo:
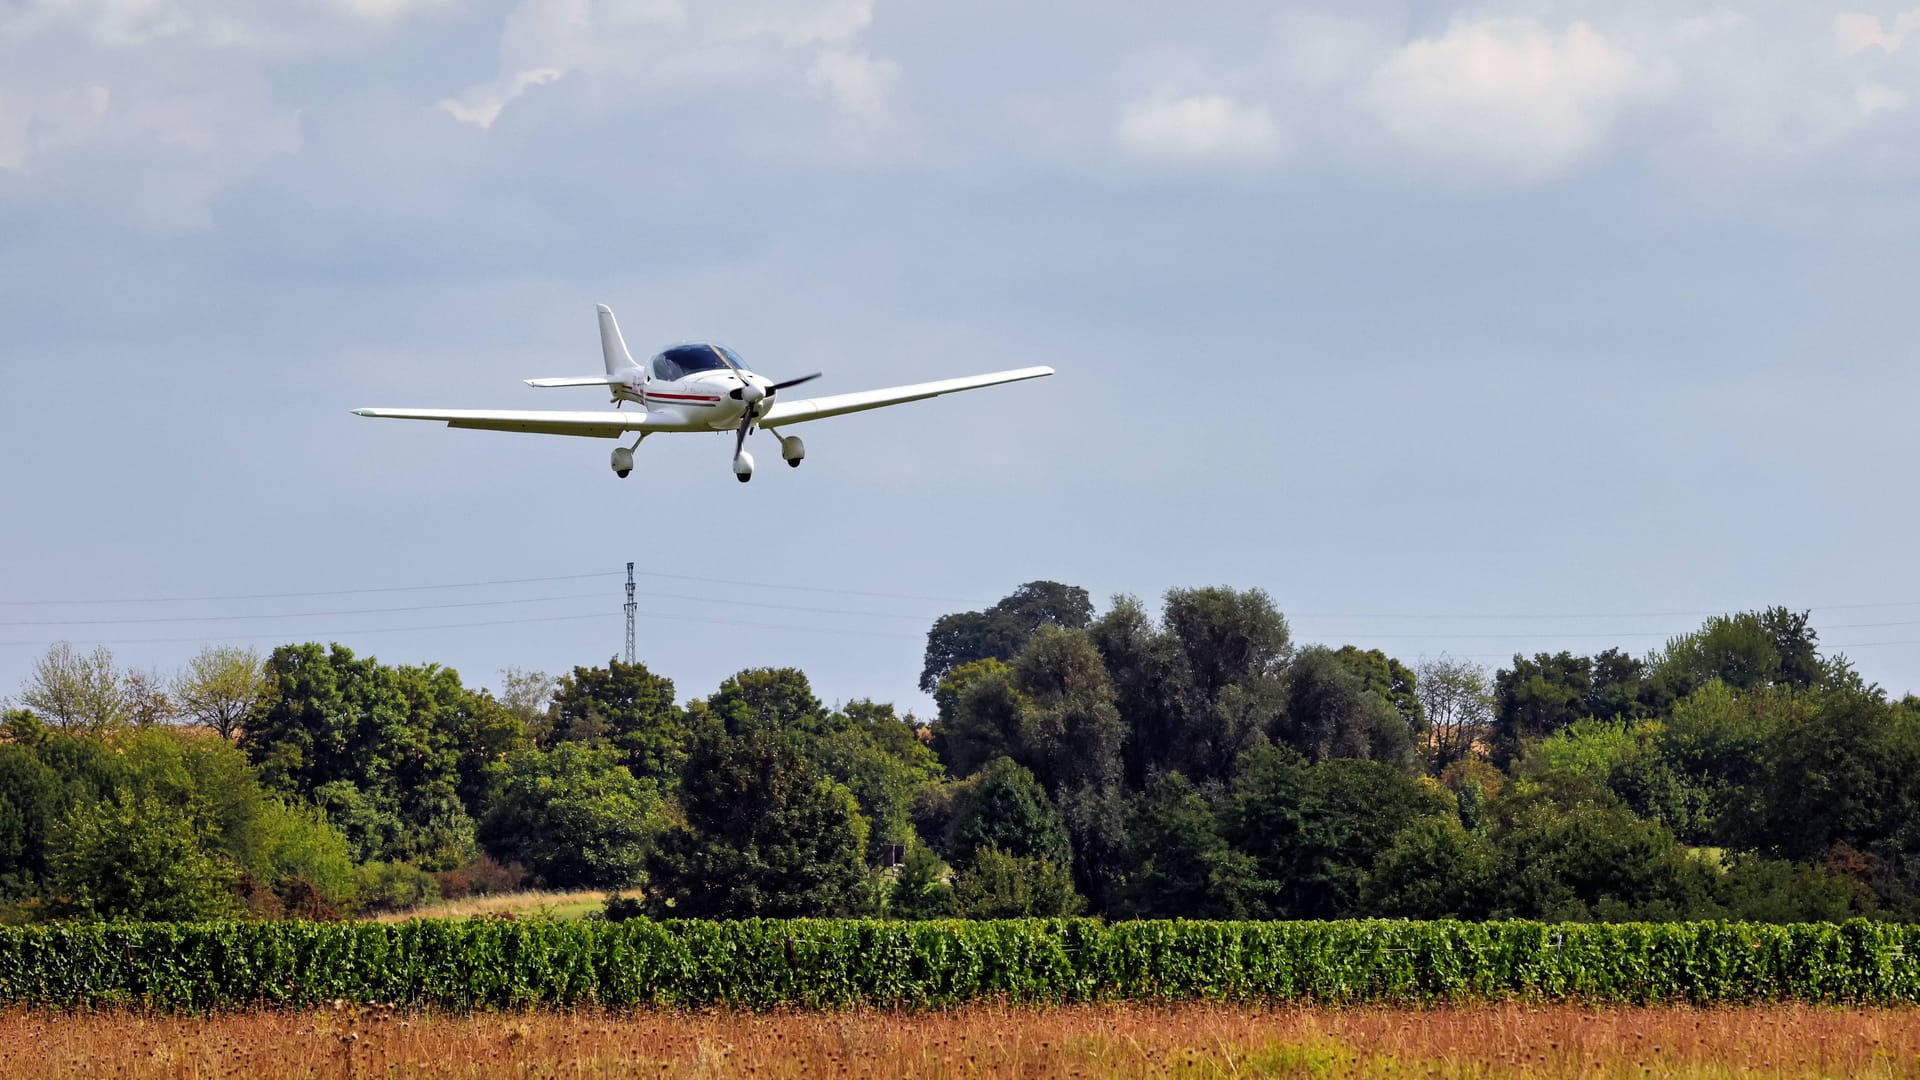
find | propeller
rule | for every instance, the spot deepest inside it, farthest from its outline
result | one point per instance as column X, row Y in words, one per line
column 740, row 392
column 753, row 394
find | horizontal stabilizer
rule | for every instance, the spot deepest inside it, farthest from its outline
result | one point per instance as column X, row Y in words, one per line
column 580, row 380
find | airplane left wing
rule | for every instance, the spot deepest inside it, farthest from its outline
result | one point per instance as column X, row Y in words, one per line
column 588, row 423
column 793, row 412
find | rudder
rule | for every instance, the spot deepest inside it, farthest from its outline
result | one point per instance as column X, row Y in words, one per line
column 612, row 348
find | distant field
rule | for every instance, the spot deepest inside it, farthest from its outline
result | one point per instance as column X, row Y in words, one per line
column 1190, row 1043
column 523, row 905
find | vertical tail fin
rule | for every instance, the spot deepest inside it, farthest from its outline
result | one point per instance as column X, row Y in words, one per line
column 612, row 348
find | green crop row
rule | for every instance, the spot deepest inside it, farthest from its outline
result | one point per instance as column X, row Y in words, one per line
column 816, row 963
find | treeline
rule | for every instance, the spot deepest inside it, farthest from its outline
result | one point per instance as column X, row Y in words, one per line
column 1191, row 762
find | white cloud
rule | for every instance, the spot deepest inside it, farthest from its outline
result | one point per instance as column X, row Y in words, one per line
column 1207, row 129
column 793, row 22
column 1506, row 99
column 863, row 86
column 1872, row 98
column 31, row 124
column 1855, row 33
column 663, row 42
column 303, row 27
column 483, row 104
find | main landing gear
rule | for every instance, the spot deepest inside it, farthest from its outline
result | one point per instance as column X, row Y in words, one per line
column 623, row 458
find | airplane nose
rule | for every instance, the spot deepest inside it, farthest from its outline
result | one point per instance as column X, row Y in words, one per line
column 750, row 390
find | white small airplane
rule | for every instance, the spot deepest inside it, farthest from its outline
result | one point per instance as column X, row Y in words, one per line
column 693, row 387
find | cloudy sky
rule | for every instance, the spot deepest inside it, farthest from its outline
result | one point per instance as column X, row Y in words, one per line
column 1459, row 328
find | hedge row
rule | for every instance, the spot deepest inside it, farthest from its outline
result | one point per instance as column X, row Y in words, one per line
column 814, row 963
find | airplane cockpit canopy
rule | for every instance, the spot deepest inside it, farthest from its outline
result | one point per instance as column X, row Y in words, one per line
column 684, row 360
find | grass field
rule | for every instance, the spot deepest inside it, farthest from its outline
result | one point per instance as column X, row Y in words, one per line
column 1189, row 1043
column 522, row 905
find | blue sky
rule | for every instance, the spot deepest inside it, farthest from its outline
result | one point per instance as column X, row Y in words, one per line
column 1530, row 325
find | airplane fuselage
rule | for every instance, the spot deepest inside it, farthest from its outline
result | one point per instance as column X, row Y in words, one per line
column 702, row 402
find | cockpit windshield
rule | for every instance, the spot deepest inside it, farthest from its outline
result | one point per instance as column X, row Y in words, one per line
column 684, row 360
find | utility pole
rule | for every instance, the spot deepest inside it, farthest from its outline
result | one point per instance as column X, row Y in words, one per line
column 631, row 607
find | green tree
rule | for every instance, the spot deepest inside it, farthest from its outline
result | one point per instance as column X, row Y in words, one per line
column 1002, row 630
column 1184, row 867
column 1847, row 773
column 1433, row 869
column 1537, row 697
column 622, row 704
column 1005, row 807
column 1314, row 832
column 1151, row 688
column 1330, row 713
column 1624, row 689
column 1236, row 645
column 138, row 858
column 1798, row 646
column 78, row 692
column 1392, row 681
column 1097, row 820
column 1738, row 650
column 762, row 834
column 981, row 713
column 1069, row 731
column 1457, row 700
column 1570, row 852
column 997, row 885
column 32, row 799
column 485, row 732
column 334, row 722
column 880, row 758
column 776, row 699
column 920, row 888
column 573, row 816
column 220, row 688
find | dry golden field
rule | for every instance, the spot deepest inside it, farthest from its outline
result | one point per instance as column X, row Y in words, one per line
column 531, row 904
column 1114, row 1041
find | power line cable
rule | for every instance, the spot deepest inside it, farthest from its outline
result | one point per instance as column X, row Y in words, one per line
column 841, row 631
column 302, row 614
column 298, row 595
column 1518, row 616
column 739, row 583
column 443, row 607
column 1524, row 635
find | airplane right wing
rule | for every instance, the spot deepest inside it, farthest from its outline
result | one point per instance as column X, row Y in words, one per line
column 793, row 412
column 601, row 424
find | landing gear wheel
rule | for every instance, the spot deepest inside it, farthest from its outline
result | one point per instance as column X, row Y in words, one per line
column 623, row 473
column 743, row 477
column 793, row 463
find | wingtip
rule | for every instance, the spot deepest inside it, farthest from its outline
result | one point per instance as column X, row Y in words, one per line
column 361, row 412
column 603, row 309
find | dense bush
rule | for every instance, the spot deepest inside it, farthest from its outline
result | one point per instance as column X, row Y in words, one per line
column 768, row 963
